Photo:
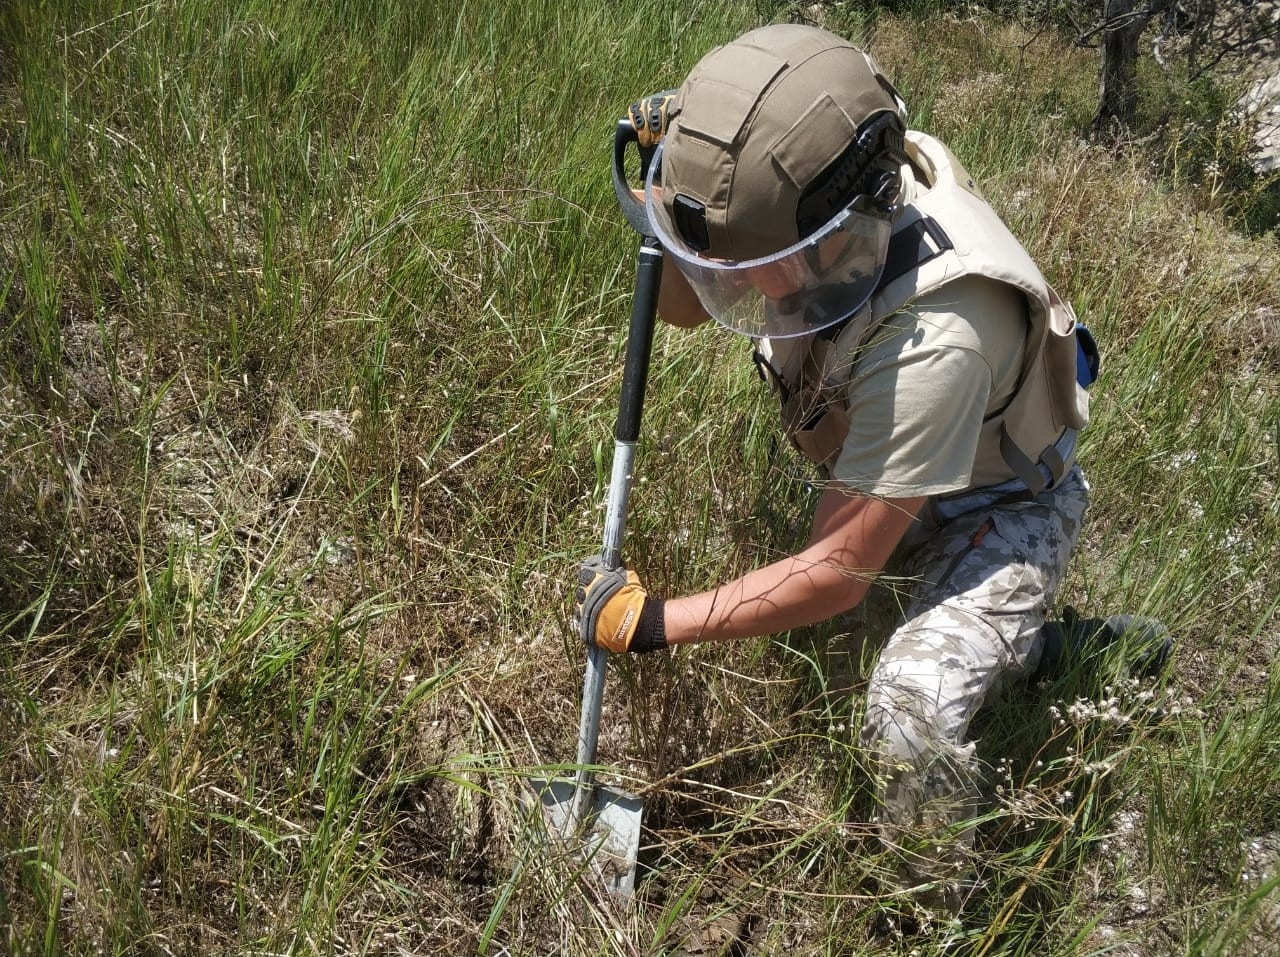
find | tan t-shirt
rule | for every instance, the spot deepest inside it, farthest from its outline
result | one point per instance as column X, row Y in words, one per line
column 927, row 389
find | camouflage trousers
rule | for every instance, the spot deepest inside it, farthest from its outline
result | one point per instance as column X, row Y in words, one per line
column 977, row 588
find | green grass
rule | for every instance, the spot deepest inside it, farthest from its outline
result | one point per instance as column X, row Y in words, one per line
column 311, row 321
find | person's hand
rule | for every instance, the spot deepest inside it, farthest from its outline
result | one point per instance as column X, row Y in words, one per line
column 650, row 117
column 615, row 612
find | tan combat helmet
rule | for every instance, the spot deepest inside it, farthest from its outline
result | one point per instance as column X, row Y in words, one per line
column 784, row 152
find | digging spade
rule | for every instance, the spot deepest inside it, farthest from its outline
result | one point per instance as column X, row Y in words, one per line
column 605, row 819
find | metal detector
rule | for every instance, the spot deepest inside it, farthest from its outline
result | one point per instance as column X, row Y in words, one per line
column 608, row 820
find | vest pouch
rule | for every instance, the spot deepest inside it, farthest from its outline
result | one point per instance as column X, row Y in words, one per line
column 815, row 425
column 1050, row 394
column 1049, row 403
column 1061, row 358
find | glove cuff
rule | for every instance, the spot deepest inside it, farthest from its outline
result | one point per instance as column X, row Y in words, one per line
column 651, row 632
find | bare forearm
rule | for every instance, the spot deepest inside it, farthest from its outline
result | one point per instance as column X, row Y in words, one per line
column 790, row 593
column 853, row 536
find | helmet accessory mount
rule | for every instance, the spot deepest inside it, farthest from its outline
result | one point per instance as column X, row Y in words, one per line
column 691, row 222
column 869, row 167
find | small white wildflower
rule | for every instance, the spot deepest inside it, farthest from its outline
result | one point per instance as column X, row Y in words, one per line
column 1083, row 710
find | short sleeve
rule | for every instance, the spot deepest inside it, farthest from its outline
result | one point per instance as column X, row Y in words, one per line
column 921, row 391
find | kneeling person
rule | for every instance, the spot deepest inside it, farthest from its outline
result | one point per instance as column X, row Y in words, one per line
column 921, row 360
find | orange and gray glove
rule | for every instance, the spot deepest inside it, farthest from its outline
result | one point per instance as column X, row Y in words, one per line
column 615, row 612
column 650, row 117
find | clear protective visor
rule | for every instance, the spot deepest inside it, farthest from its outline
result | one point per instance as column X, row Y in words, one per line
column 821, row 280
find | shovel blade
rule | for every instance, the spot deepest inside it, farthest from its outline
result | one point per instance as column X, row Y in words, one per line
column 611, row 835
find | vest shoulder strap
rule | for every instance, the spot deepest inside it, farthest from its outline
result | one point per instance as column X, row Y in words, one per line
column 913, row 246
column 910, row 247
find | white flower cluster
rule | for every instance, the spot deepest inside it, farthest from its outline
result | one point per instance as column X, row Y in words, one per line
column 1119, row 705
column 1031, row 802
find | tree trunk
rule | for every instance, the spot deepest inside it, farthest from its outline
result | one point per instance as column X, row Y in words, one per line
column 1124, row 21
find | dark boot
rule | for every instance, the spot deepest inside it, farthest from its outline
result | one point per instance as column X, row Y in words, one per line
column 1074, row 638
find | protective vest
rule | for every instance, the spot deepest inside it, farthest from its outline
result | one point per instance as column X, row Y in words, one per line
column 947, row 232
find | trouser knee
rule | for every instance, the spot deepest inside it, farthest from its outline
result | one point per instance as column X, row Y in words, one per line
column 925, row 776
